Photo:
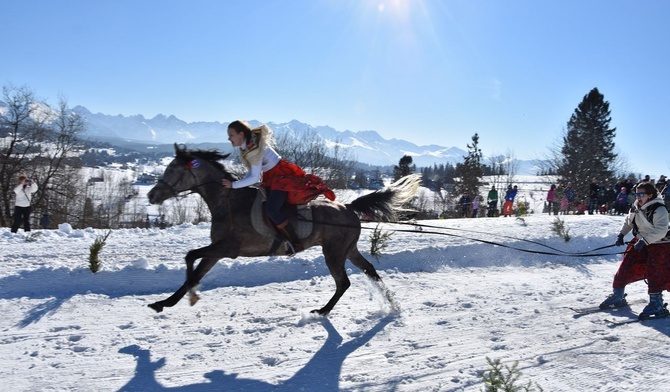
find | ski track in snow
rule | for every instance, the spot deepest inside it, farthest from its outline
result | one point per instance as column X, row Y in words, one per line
column 64, row 328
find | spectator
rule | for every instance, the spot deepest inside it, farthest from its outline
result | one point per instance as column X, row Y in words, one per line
column 551, row 196
column 602, row 199
column 475, row 206
column 492, row 200
column 45, row 221
column 629, row 185
column 594, row 190
column 631, row 198
column 581, row 208
column 617, row 187
column 664, row 192
column 621, row 206
column 610, row 196
column 24, row 192
column 465, row 202
column 661, row 184
column 564, row 205
column 510, row 194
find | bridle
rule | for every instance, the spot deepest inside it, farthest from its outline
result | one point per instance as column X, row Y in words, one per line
column 175, row 192
column 192, row 164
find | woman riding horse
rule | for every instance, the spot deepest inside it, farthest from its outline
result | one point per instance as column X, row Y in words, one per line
column 287, row 183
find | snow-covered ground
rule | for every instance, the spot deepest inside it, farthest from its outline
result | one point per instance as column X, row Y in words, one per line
column 64, row 328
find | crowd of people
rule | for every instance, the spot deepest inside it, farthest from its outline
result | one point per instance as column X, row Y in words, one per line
column 614, row 199
column 562, row 199
column 469, row 206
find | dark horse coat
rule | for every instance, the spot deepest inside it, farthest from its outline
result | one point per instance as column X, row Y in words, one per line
column 336, row 226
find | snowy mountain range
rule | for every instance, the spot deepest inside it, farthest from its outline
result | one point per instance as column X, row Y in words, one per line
column 366, row 146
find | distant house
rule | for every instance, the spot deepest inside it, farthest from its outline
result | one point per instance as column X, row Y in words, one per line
column 146, row 178
column 93, row 180
column 376, row 184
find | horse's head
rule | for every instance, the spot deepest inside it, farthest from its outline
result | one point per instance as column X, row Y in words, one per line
column 189, row 170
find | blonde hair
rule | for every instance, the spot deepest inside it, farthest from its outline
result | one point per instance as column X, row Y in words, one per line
column 256, row 140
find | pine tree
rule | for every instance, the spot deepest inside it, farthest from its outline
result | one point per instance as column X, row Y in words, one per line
column 404, row 168
column 588, row 145
column 470, row 171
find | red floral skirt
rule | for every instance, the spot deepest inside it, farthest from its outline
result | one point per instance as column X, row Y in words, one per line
column 652, row 263
column 300, row 186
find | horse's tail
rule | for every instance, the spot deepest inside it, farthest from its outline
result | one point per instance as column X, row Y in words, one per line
column 383, row 204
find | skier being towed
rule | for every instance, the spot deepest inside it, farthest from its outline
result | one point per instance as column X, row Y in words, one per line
column 647, row 255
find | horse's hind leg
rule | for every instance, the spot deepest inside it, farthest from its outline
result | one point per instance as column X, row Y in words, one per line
column 361, row 262
column 335, row 265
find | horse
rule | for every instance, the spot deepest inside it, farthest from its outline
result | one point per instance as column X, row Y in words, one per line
column 336, row 227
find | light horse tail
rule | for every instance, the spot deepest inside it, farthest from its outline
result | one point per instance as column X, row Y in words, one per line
column 384, row 204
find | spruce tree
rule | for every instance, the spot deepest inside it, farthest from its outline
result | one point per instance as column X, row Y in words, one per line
column 404, row 168
column 470, row 171
column 588, row 145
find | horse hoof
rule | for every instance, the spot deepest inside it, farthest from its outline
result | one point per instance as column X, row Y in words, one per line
column 319, row 312
column 193, row 299
column 155, row 306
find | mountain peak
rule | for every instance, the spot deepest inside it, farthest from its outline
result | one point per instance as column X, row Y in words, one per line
column 367, row 146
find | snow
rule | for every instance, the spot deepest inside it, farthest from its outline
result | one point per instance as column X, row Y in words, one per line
column 64, row 328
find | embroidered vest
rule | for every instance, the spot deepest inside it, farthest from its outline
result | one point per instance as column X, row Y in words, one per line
column 253, row 153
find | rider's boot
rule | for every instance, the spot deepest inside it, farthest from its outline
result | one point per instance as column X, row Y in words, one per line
column 292, row 241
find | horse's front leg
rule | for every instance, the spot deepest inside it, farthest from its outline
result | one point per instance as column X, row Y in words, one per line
column 193, row 282
column 210, row 255
column 191, row 257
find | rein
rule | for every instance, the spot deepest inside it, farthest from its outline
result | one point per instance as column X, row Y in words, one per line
column 179, row 193
column 556, row 252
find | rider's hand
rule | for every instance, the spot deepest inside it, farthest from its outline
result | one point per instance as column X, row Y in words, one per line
column 619, row 240
column 639, row 245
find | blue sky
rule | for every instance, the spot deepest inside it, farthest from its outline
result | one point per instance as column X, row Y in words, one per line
column 430, row 72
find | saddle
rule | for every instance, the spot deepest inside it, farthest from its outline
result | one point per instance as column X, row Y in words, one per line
column 300, row 217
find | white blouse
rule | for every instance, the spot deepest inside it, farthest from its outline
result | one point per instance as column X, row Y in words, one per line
column 255, row 173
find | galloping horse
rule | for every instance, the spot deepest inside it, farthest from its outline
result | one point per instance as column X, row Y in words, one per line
column 336, row 227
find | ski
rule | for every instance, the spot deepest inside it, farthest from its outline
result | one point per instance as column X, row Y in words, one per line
column 613, row 323
column 663, row 315
column 596, row 309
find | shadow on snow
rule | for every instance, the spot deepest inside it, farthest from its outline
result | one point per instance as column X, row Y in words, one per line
column 322, row 372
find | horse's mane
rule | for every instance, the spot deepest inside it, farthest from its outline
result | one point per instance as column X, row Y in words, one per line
column 211, row 156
